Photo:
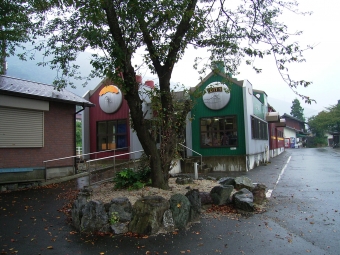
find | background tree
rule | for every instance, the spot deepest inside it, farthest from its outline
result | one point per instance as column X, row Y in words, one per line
column 327, row 121
column 297, row 110
column 162, row 31
column 79, row 140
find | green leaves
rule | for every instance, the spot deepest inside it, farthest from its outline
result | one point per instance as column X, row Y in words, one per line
column 131, row 179
column 327, row 121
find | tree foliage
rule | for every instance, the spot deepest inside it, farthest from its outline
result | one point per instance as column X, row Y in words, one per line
column 297, row 110
column 18, row 23
column 79, row 140
column 162, row 31
column 327, row 121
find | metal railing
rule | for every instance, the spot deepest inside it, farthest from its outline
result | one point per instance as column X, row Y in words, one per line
column 96, row 169
column 194, row 152
column 77, row 156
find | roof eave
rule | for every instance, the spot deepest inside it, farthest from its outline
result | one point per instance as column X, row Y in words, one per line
column 24, row 95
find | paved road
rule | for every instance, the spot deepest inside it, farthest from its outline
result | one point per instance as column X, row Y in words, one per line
column 302, row 217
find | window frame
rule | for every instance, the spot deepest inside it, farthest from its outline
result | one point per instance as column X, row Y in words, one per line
column 107, row 135
column 259, row 129
column 222, row 135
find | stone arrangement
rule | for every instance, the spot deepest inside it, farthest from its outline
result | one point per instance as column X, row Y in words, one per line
column 154, row 214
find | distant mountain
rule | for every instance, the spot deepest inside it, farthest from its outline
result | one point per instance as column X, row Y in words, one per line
column 29, row 70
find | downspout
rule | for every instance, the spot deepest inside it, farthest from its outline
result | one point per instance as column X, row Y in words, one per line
column 75, row 138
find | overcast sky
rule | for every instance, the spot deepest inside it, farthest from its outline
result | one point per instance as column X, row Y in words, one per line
column 322, row 66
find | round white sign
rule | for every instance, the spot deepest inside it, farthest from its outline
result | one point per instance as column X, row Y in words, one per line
column 217, row 96
column 110, row 99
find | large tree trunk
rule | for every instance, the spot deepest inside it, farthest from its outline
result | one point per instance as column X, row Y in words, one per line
column 159, row 170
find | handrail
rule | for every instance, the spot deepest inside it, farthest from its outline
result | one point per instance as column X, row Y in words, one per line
column 91, row 160
column 85, row 154
column 109, row 157
column 76, row 156
column 192, row 151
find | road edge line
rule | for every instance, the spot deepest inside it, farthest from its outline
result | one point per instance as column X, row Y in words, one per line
column 270, row 191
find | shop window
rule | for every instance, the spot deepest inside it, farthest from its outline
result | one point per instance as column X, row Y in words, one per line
column 259, row 129
column 218, row 132
column 111, row 134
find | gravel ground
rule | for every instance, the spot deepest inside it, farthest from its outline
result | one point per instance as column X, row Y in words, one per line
column 106, row 192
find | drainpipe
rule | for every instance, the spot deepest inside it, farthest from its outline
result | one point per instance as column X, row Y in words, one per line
column 75, row 135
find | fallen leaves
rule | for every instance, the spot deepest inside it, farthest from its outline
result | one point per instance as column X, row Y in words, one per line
column 223, row 210
column 69, row 196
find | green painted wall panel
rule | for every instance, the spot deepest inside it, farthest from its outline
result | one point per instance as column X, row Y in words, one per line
column 234, row 107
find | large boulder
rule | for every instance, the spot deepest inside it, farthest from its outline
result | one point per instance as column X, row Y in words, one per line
column 180, row 208
column 120, row 228
column 78, row 206
column 243, row 200
column 205, row 198
column 221, row 194
column 243, row 182
column 147, row 215
column 94, row 218
column 122, row 207
column 227, row 181
column 195, row 202
column 259, row 193
column 77, row 211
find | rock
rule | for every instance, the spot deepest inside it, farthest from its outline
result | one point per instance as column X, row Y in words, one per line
column 220, row 195
column 147, row 215
column 243, row 200
column 210, row 178
column 94, row 218
column 243, row 182
column 77, row 211
column 120, row 228
column 227, row 181
column 180, row 208
column 259, row 193
column 168, row 221
column 122, row 206
column 86, row 192
column 195, row 204
column 78, row 206
column 184, row 180
column 205, row 198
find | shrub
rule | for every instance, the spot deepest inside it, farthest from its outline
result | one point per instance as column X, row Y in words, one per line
column 114, row 218
column 130, row 179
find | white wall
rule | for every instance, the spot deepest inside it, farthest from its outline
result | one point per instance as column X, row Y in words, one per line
column 135, row 145
column 85, row 129
column 256, row 150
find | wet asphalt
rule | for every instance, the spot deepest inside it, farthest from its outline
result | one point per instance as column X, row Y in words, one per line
column 33, row 222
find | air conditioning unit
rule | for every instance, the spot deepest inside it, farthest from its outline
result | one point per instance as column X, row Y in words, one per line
column 272, row 117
